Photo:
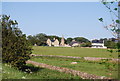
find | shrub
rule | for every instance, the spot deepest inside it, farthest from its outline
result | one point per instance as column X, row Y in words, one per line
column 15, row 47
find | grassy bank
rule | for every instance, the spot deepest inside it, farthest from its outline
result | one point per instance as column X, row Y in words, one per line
column 83, row 66
column 33, row 72
column 77, row 51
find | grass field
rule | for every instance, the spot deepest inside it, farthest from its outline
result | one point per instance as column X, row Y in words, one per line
column 84, row 66
column 77, row 51
column 35, row 73
column 0, row 71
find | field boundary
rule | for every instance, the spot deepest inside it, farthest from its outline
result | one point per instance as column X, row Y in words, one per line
column 85, row 58
column 83, row 75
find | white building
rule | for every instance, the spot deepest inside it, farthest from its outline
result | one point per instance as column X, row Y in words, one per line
column 98, row 44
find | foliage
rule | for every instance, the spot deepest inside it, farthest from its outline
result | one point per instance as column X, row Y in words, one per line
column 111, row 44
column 0, row 42
column 15, row 47
column 87, row 44
column 81, row 39
column 42, row 38
column 114, row 26
column 39, row 39
column 69, row 40
column 84, row 42
column 32, row 40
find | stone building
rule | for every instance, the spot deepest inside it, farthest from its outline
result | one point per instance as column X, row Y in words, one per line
column 62, row 42
column 56, row 42
column 53, row 42
column 49, row 42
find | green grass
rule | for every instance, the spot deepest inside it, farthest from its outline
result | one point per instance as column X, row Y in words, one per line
column 77, row 51
column 84, row 66
column 34, row 73
column 0, row 71
column 42, row 73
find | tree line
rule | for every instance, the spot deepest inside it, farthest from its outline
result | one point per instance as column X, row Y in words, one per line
column 41, row 38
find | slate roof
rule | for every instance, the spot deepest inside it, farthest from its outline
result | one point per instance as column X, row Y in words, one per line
column 73, row 43
column 97, row 41
column 52, row 40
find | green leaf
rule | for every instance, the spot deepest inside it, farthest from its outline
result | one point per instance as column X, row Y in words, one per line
column 117, row 21
column 115, row 9
column 112, row 2
column 104, row 3
column 101, row 19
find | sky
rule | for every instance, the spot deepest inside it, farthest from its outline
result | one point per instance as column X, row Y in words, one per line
column 70, row 19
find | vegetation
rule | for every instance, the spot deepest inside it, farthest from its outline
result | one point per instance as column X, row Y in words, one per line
column 74, row 51
column 85, row 66
column 69, row 40
column 40, row 39
column 111, row 44
column 32, row 72
column 113, row 8
column 15, row 47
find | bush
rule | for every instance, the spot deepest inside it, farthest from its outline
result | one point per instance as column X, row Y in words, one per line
column 15, row 47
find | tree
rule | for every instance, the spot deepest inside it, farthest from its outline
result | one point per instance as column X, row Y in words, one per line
column 69, row 40
column 15, row 47
column 87, row 44
column 114, row 27
column 81, row 39
column 84, row 42
column 32, row 39
column 110, row 44
column 41, row 39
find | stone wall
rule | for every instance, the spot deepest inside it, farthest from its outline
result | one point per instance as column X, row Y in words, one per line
column 83, row 75
column 85, row 58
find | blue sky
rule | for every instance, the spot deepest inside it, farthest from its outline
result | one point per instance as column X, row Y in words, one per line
column 71, row 19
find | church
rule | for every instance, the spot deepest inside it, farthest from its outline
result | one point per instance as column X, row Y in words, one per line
column 55, row 42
